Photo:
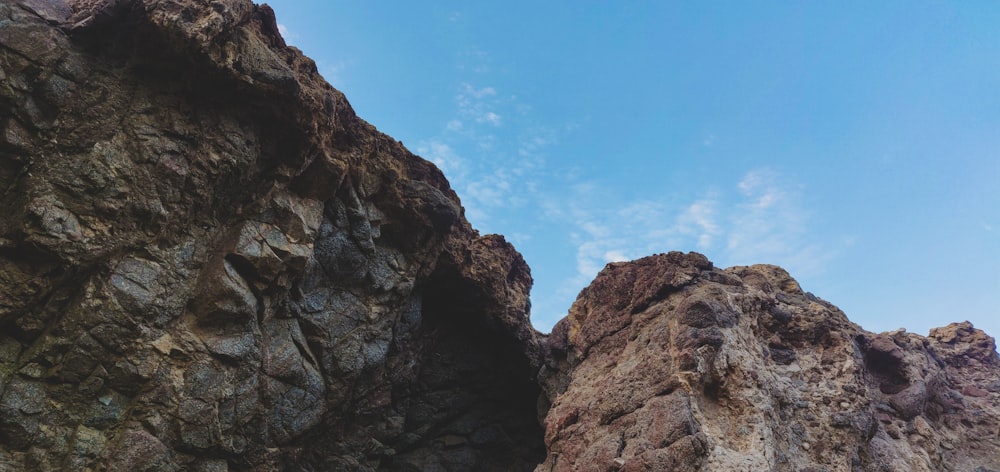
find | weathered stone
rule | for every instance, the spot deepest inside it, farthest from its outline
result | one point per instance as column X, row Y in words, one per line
column 208, row 262
column 910, row 401
column 760, row 376
column 136, row 449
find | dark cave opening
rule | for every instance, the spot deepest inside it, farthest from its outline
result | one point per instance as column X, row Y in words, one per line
column 476, row 388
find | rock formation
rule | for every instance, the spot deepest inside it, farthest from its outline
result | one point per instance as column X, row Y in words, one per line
column 208, row 262
column 667, row 363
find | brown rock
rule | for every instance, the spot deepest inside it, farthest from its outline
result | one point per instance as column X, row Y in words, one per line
column 974, row 391
column 208, row 262
column 742, row 370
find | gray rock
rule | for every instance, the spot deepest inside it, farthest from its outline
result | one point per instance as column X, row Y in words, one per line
column 208, row 262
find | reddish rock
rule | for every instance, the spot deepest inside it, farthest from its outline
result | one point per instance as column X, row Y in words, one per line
column 974, row 391
column 208, row 262
column 739, row 369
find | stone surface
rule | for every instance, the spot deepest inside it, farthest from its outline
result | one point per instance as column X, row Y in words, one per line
column 666, row 363
column 209, row 263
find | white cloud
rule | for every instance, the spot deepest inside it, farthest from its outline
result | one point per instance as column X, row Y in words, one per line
column 615, row 256
column 516, row 238
column 492, row 166
column 698, row 220
column 287, row 34
column 770, row 225
column 489, row 191
column 640, row 228
column 754, row 180
column 443, row 156
column 478, row 104
column 489, row 117
column 475, row 60
column 605, row 232
column 762, row 221
column 479, row 93
column 531, row 146
column 589, row 258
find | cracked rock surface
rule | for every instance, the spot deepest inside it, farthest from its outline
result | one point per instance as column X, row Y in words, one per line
column 209, row 263
column 667, row 363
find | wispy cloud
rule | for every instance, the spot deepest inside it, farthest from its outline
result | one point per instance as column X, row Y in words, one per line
column 495, row 156
column 467, row 91
column 288, row 34
column 474, row 60
column 443, row 156
column 769, row 224
column 495, row 168
column 478, row 104
column 699, row 220
column 758, row 220
column 605, row 231
column 490, row 117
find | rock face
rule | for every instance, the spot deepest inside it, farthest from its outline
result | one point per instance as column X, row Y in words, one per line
column 208, row 262
column 667, row 363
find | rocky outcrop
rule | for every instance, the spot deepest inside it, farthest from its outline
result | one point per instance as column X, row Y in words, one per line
column 667, row 363
column 209, row 263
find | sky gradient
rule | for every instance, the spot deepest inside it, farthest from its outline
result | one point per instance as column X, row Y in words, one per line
column 855, row 144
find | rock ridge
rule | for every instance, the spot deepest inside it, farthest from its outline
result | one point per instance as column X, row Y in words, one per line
column 667, row 363
column 208, row 262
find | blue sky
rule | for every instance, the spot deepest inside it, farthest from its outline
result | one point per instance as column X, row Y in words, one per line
column 856, row 144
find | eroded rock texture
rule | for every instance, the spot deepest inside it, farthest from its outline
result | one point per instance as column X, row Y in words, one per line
column 667, row 363
column 208, row 262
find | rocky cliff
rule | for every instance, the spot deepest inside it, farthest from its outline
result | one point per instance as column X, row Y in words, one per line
column 208, row 262
column 667, row 363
